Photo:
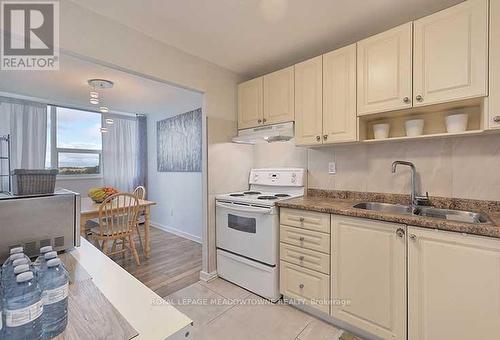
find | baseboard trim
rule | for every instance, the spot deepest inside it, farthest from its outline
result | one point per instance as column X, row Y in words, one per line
column 207, row 277
column 177, row 232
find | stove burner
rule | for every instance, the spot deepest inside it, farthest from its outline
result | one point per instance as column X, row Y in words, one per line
column 281, row 195
column 252, row 193
column 267, row 197
column 236, row 195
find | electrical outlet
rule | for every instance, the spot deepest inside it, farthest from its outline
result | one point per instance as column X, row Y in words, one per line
column 332, row 168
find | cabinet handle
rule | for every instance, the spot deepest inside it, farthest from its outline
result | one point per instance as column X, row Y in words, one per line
column 259, row 121
column 406, row 100
column 496, row 119
column 318, row 138
column 301, row 238
column 419, row 98
column 301, row 219
column 400, row 232
column 325, row 137
column 264, row 120
column 412, row 237
column 301, row 286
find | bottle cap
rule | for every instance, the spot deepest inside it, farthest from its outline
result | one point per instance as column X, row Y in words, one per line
column 45, row 249
column 20, row 261
column 53, row 263
column 21, row 268
column 50, row 255
column 23, row 277
column 16, row 250
column 16, row 256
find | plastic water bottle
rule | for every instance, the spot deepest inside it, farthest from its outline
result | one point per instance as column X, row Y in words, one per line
column 50, row 255
column 1, row 314
column 53, row 282
column 8, row 267
column 10, row 282
column 23, row 309
column 41, row 259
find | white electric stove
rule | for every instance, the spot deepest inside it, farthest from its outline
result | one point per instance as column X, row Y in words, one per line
column 247, row 226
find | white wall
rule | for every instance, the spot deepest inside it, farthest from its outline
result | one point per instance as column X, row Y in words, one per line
column 179, row 195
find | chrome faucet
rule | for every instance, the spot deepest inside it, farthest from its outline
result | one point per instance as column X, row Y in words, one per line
column 416, row 199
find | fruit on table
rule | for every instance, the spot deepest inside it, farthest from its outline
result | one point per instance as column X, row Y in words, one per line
column 101, row 193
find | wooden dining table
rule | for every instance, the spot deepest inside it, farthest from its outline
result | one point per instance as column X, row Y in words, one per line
column 90, row 210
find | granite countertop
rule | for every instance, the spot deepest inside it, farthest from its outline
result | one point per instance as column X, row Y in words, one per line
column 341, row 203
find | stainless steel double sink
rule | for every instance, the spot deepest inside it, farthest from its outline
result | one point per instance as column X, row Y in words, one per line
column 424, row 211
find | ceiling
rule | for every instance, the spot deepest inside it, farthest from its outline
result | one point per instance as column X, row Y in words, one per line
column 130, row 94
column 253, row 37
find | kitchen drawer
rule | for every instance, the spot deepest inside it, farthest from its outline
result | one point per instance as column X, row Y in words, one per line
column 305, row 258
column 304, row 284
column 305, row 239
column 305, row 219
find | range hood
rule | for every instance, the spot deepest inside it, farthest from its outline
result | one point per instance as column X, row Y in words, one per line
column 270, row 133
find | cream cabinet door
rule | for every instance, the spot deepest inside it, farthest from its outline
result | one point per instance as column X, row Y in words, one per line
column 494, row 100
column 369, row 270
column 309, row 101
column 250, row 104
column 339, row 95
column 279, row 94
column 451, row 54
column 453, row 286
column 385, row 71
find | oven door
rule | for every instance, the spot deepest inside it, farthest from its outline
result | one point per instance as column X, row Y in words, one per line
column 248, row 231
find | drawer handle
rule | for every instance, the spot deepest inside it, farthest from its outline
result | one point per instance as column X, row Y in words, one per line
column 301, row 219
column 301, row 258
column 301, row 239
column 301, row 286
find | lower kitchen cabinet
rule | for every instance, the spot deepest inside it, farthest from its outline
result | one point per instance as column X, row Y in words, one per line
column 305, row 285
column 369, row 270
column 453, row 286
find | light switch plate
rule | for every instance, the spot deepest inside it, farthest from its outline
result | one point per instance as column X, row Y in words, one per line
column 332, row 169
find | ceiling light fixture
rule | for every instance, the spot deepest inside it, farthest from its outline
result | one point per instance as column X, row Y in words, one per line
column 110, row 121
column 95, row 86
column 104, row 130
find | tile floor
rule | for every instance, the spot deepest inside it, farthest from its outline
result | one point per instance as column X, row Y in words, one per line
column 223, row 311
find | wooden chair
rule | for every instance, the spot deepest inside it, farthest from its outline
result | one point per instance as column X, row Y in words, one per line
column 140, row 193
column 117, row 220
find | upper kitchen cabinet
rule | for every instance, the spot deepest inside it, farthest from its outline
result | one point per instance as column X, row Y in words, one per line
column 339, row 95
column 446, row 267
column 451, row 54
column 279, row 93
column 250, row 107
column 385, row 71
column 494, row 99
column 309, row 101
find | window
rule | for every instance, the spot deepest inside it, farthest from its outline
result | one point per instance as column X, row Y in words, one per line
column 74, row 141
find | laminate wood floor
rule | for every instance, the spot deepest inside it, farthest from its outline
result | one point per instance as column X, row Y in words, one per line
column 175, row 263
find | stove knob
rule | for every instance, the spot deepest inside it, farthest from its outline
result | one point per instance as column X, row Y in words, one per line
column 294, row 180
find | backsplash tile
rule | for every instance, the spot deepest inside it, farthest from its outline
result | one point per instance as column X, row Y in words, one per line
column 465, row 167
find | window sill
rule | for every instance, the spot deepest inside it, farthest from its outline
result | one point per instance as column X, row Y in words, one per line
column 78, row 177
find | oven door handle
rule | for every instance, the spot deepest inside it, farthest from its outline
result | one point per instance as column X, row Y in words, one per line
column 244, row 208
